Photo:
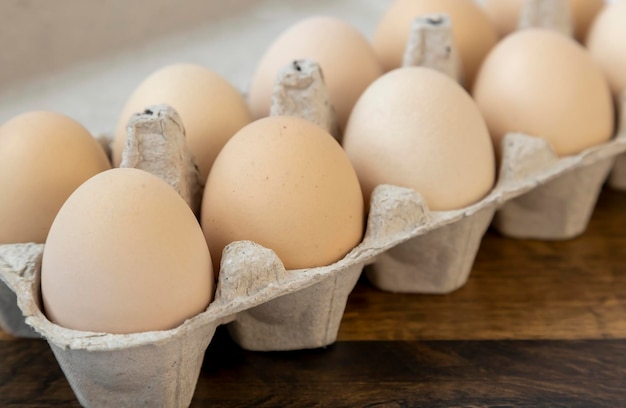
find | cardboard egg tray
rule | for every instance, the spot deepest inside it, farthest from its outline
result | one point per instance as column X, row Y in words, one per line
column 270, row 308
column 408, row 247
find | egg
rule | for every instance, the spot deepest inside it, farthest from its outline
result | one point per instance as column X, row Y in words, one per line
column 607, row 44
column 125, row 254
column 212, row 110
column 44, row 157
column 473, row 32
column 506, row 14
column 285, row 183
column 347, row 60
column 417, row 128
column 545, row 84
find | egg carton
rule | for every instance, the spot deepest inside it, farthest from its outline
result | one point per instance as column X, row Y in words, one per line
column 538, row 195
column 161, row 368
column 267, row 307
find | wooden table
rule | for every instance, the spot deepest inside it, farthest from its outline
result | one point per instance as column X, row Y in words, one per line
column 538, row 324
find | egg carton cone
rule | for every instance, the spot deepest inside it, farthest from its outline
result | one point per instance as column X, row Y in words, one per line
column 617, row 180
column 431, row 45
column 550, row 14
column 299, row 90
column 156, row 143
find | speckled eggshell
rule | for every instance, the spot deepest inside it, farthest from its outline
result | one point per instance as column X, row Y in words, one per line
column 44, row 157
column 506, row 14
column 212, row 109
column 473, row 32
column 545, row 84
column 417, row 128
column 347, row 60
column 125, row 254
column 286, row 184
column 607, row 44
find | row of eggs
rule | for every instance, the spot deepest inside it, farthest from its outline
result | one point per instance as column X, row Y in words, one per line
column 123, row 238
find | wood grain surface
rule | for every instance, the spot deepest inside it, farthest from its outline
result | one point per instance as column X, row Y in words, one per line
column 538, row 324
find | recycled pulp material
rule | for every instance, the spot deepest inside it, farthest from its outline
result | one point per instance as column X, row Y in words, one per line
column 299, row 90
column 16, row 258
column 431, row 45
column 559, row 208
column 551, row 14
column 156, row 143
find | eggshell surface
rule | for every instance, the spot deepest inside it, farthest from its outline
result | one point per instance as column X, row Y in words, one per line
column 125, row 254
column 212, row 110
column 286, row 184
column 506, row 14
column 473, row 32
column 416, row 128
column 44, row 157
column 545, row 84
column 347, row 60
column 607, row 44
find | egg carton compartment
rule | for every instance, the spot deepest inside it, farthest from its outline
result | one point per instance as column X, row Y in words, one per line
column 20, row 260
column 566, row 193
column 560, row 208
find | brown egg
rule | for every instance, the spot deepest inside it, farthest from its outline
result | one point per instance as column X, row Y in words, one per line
column 473, row 32
column 347, row 59
column 212, row 110
column 506, row 13
column 417, row 128
column 545, row 84
column 44, row 157
column 607, row 44
column 125, row 254
column 286, row 184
